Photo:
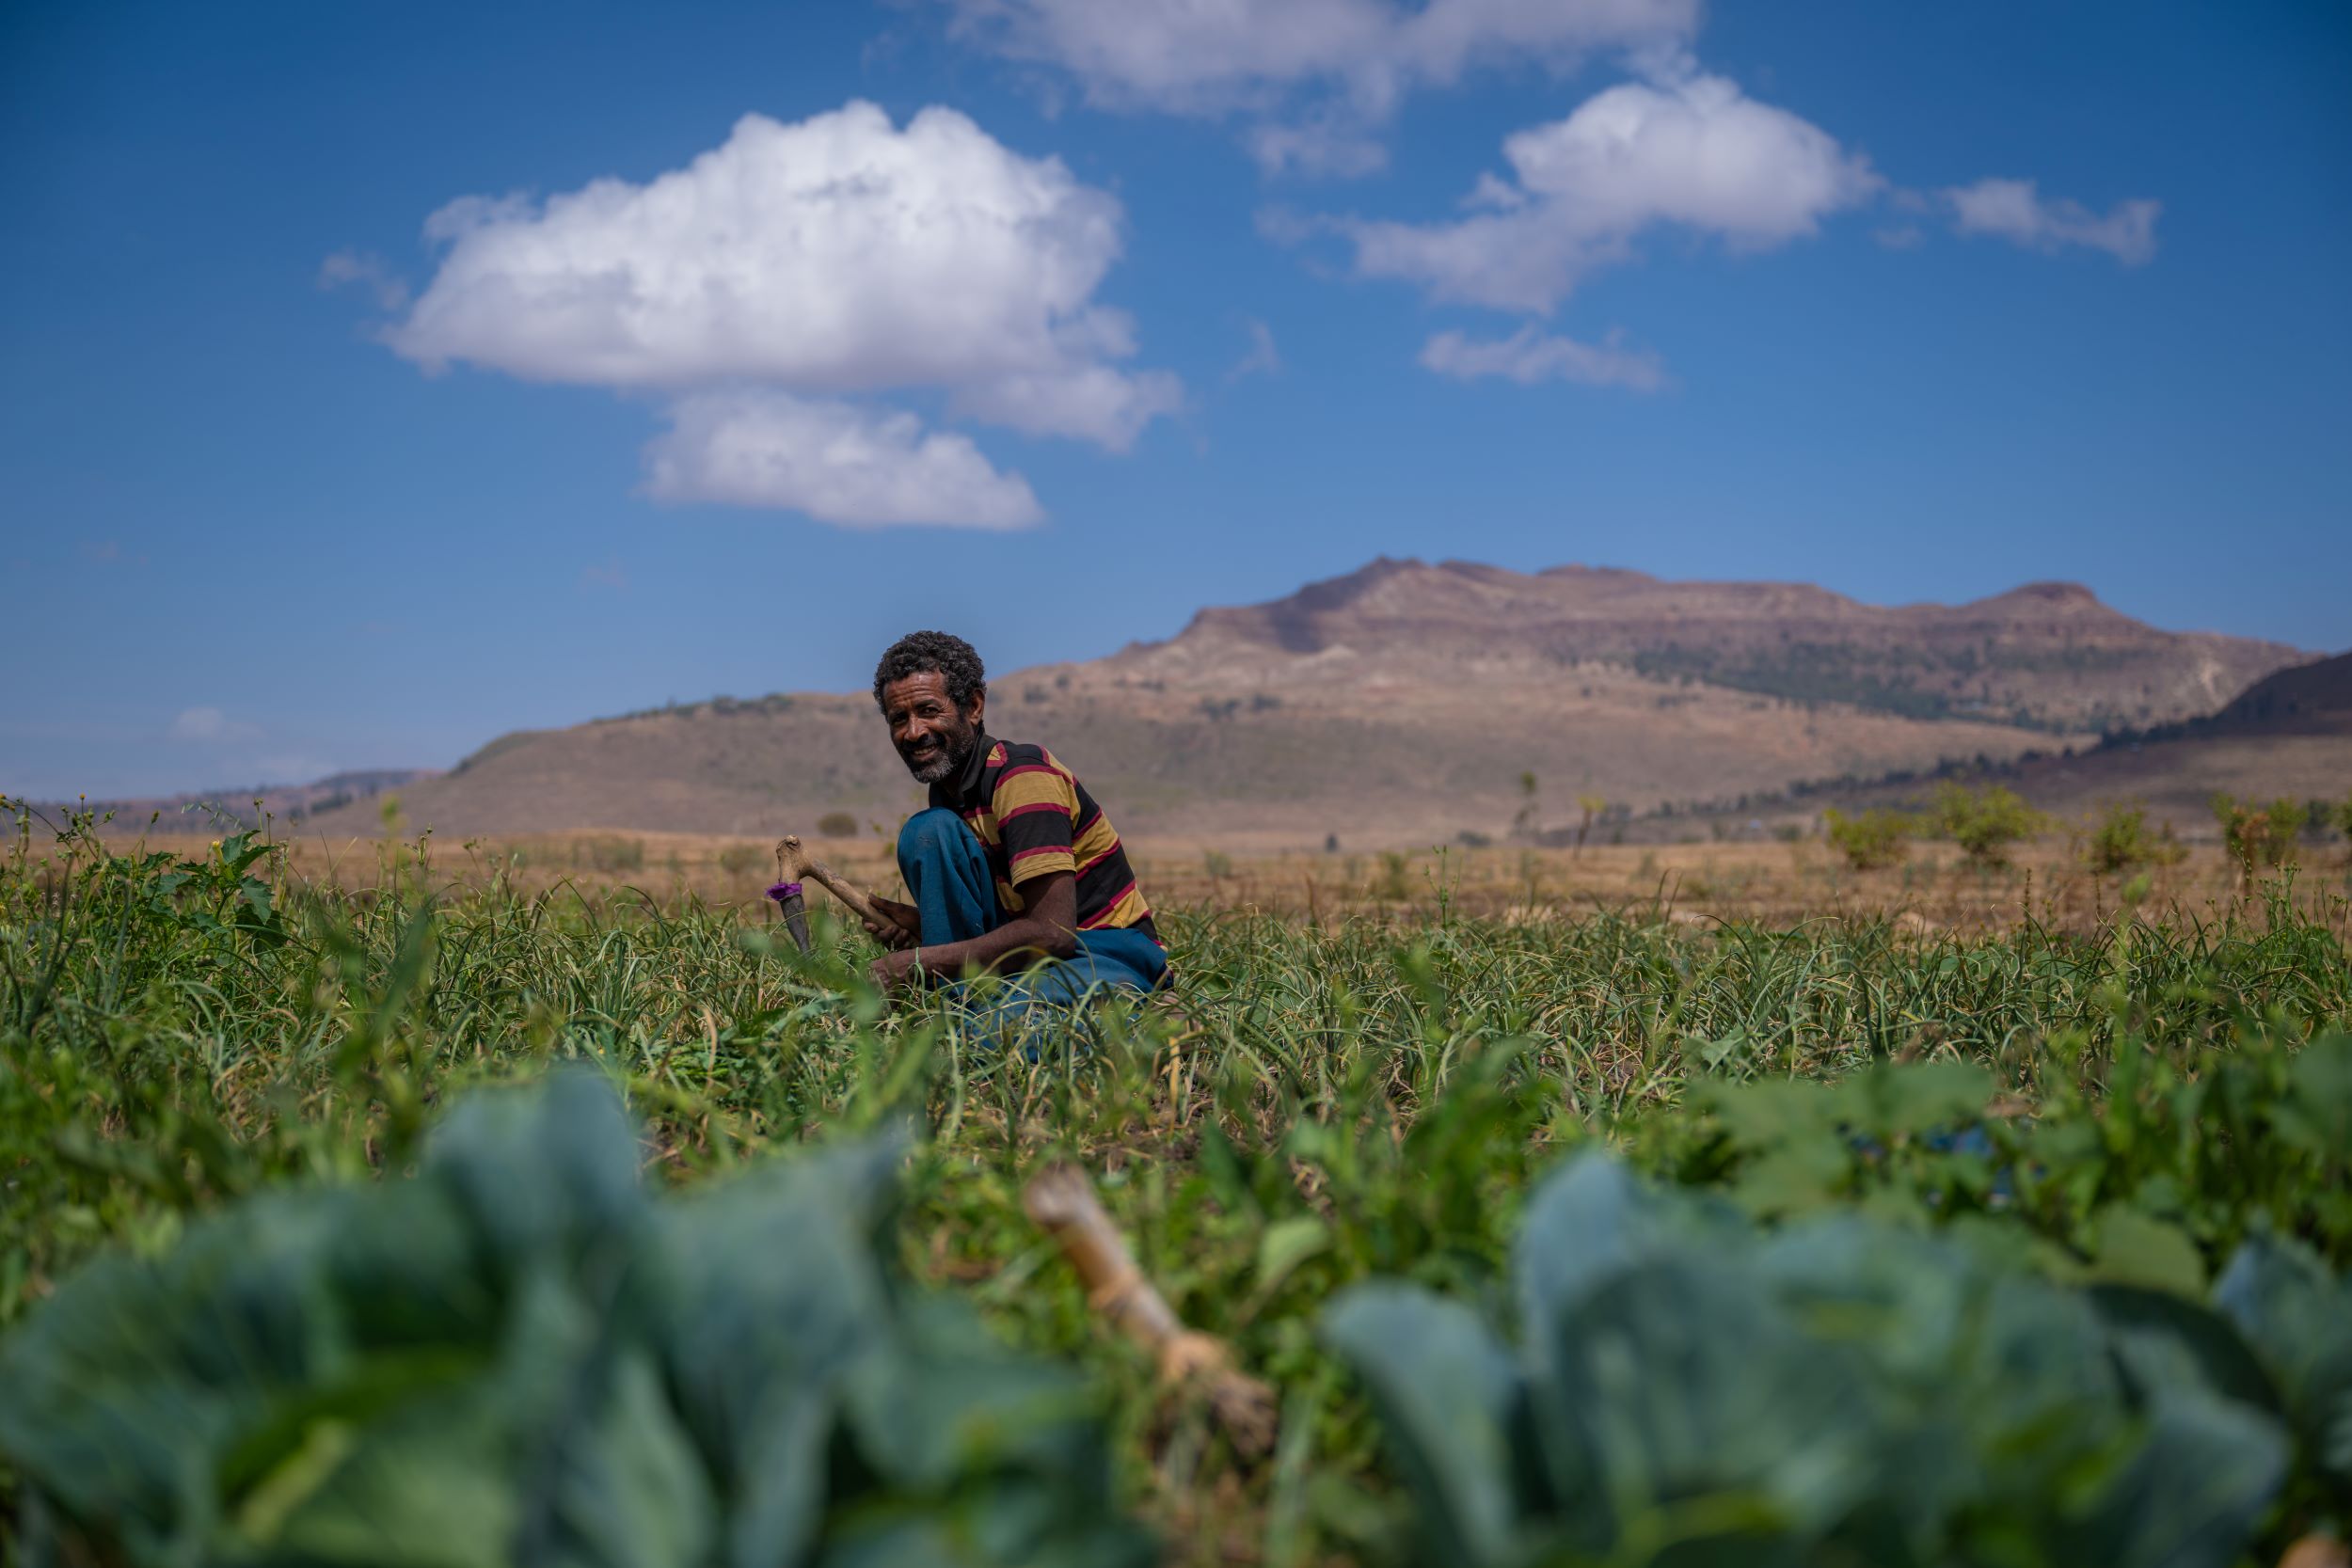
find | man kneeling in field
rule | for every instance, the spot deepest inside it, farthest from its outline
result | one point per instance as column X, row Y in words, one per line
column 1014, row 865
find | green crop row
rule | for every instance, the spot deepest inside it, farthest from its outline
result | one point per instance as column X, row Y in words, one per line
column 1318, row 1108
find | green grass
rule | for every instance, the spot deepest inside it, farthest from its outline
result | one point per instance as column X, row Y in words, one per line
column 1316, row 1107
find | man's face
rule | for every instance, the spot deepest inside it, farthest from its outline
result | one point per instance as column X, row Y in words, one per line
column 933, row 739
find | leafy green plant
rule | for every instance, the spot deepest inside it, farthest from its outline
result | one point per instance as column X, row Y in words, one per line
column 1984, row 822
column 2295, row 1321
column 1682, row 1388
column 517, row 1356
column 1873, row 838
column 2121, row 842
column 2161, row 1178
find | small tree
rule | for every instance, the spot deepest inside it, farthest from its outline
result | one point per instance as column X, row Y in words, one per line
column 2121, row 842
column 1523, row 823
column 1984, row 823
column 837, row 824
column 1592, row 806
column 2342, row 817
column 1874, row 839
column 2261, row 838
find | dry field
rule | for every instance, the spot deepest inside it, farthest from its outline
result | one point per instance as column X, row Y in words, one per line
column 1777, row 883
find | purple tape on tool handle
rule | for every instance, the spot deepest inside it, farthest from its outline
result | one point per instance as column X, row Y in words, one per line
column 782, row 890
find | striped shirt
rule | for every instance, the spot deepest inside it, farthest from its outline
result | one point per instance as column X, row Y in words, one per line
column 1035, row 818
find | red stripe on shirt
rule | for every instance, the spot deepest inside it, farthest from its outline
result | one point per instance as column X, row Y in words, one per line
column 1110, row 907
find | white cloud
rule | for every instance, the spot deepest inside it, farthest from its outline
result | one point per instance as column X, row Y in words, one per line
column 361, row 269
column 1684, row 148
column 1263, row 358
column 199, row 723
column 1529, row 355
column 1326, row 144
column 2014, row 210
column 836, row 255
column 1211, row 54
column 840, row 464
column 210, row 724
column 1349, row 60
column 835, row 258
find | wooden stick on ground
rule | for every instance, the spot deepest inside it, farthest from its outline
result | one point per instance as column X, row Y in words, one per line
column 1061, row 1200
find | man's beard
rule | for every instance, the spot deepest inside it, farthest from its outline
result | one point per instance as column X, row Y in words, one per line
column 954, row 751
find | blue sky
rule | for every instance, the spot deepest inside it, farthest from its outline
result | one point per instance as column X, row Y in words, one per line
column 1050, row 321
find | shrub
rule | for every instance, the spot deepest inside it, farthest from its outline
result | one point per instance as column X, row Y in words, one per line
column 1874, row 839
column 1984, row 823
column 2121, row 842
column 2259, row 837
column 737, row 859
column 1391, row 885
column 837, row 824
column 519, row 1355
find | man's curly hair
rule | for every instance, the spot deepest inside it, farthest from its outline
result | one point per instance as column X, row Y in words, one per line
column 940, row 653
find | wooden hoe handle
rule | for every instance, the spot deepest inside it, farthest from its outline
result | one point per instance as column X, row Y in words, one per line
column 794, row 866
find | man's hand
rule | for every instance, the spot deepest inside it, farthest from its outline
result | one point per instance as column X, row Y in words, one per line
column 897, row 970
column 900, row 927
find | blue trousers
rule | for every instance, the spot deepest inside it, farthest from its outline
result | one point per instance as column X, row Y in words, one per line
column 947, row 876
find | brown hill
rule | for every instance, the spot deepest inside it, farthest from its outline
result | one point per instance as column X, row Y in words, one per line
column 1404, row 702
column 2046, row 655
column 210, row 809
column 2287, row 735
column 2315, row 697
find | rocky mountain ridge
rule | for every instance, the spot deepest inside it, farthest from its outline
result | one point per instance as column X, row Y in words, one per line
column 1407, row 702
column 2046, row 655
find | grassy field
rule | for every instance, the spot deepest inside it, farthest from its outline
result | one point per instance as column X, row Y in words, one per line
column 1363, row 1069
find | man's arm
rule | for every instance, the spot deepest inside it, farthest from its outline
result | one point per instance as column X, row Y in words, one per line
column 1047, row 926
